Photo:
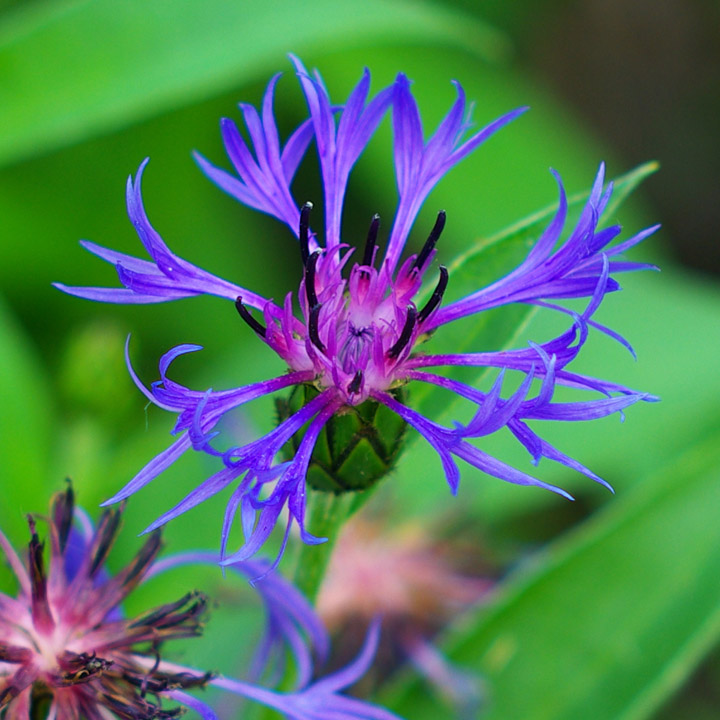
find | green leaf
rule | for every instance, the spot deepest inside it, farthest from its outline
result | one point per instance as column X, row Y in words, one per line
column 526, row 231
column 609, row 621
column 72, row 70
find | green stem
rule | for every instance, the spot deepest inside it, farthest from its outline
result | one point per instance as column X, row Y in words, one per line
column 326, row 514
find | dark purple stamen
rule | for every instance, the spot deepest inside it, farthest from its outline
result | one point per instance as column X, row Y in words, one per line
column 15, row 655
column 436, row 297
column 150, row 673
column 406, row 333
column 313, row 327
column 304, row 234
column 41, row 614
column 431, row 241
column 371, row 240
column 354, row 385
column 105, row 535
column 310, row 268
column 63, row 515
column 249, row 319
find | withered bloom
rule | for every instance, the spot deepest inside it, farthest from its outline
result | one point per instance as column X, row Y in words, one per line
column 65, row 650
column 68, row 652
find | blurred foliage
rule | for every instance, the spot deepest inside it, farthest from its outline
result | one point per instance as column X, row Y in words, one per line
column 625, row 642
column 89, row 61
column 621, row 609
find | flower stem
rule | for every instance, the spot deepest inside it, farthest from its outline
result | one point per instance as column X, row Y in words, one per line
column 326, row 514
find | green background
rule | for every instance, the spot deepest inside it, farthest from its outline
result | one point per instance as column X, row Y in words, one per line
column 605, row 608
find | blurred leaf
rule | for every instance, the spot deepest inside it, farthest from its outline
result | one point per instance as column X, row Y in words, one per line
column 526, row 231
column 71, row 70
column 608, row 622
column 26, row 424
column 700, row 698
column 92, row 375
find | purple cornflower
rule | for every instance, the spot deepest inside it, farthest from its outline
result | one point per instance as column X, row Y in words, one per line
column 67, row 651
column 355, row 341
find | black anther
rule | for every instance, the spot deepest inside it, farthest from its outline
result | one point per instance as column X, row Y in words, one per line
column 431, row 241
column 310, row 268
column 249, row 319
column 354, row 385
column 436, row 297
column 371, row 239
column 313, row 329
column 305, row 232
column 406, row 333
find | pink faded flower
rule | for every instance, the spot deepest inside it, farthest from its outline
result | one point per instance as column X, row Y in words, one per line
column 401, row 573
column 68, row 652
column 409, row 578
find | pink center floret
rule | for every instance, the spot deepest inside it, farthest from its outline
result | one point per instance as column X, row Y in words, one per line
column 356, row 332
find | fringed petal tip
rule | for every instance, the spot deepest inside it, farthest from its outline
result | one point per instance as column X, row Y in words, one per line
column 517, row 112
column 141, row 169
column 402, row 82
column 133, row 186
column 69, row 289
column 139, row 384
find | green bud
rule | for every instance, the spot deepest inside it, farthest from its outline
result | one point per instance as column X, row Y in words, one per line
column 357, row 447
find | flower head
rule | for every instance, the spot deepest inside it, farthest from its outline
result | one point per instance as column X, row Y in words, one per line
column 411, row 578
column 63, row 641
column 68, row 650
column 351, row 336
column 402, row 573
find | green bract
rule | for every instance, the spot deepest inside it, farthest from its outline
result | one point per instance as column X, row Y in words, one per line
column 355, row 449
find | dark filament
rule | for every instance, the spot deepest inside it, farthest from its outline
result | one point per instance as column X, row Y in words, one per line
column 371, row 240
column 62, row 512
column 310, row 268
column 12, row 654
column 354, row 385
column 150, row 673
column 436, row 297
column 360, row 332
column 103, row 540
column 249, row 319
column 191, row 606
column 41, row 614
column 313, row 329
column 406, row 333
column 431, row 241
column 305, row 232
